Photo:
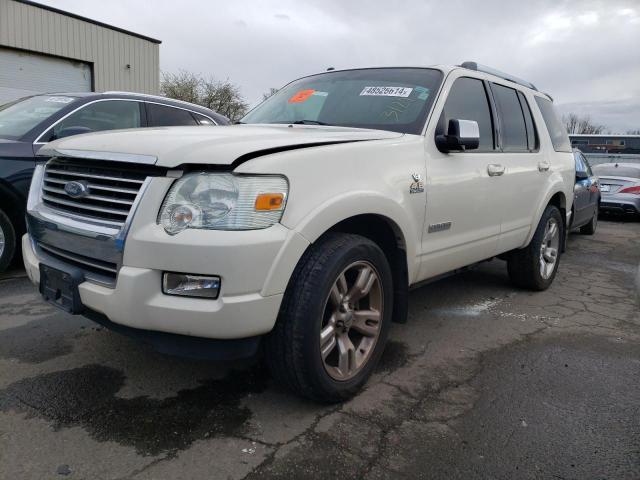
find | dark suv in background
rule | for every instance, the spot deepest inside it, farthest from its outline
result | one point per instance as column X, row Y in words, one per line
column 29, row 123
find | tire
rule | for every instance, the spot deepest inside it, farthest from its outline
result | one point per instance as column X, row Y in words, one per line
column 293, row 348
column 590, row 228
column 525, row 266
column 7, row 241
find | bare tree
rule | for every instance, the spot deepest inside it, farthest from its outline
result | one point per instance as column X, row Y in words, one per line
column 222, row 96
column 272, row 91
column 634, row 132
column 582, row 124
column 181, row 86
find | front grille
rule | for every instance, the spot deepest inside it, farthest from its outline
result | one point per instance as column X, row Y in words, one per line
column 112, row 188
column 95, row 268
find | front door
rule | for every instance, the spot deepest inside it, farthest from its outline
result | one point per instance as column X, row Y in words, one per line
column 462, row 222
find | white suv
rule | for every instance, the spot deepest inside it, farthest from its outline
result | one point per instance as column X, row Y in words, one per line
column 304, row 226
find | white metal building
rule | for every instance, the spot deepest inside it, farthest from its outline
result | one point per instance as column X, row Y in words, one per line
column 43, row 49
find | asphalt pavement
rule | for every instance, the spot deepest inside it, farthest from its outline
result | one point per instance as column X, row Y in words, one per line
column 485, row 381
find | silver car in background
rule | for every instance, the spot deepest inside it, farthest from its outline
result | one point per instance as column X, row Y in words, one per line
column 619, row 187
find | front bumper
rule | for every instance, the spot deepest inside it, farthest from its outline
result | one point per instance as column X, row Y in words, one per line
column 244, row 308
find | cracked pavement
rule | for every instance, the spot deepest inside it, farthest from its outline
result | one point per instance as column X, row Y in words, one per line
column 485, row 381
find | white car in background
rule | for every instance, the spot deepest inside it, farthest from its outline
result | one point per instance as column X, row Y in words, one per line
column 304, row 227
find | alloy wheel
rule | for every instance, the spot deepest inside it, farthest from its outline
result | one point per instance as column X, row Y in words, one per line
column 352, row 321
column 549, row 248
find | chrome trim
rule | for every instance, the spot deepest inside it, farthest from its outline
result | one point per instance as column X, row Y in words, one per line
column 90, row 196
column 97, row 155
column 95, row 186
column 93, row 175
column 81, row 206
column 38, row 142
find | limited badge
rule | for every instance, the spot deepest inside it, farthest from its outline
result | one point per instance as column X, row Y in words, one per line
column 417, row 186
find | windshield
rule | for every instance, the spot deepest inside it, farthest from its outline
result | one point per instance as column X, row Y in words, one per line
column 617, row 171
column 396, row 99
column 19, row 117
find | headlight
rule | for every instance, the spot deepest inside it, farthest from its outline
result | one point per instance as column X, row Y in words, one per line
column 222, row 201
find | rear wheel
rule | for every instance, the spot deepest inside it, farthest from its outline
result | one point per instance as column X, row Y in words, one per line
column 334, row 319
column 7, row 241
column 590, row 228
column 534, row 267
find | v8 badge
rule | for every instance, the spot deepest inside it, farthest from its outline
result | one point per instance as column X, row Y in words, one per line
column 417, row 186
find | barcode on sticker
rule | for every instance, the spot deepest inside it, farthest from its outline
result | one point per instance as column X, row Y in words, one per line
column 386, row 91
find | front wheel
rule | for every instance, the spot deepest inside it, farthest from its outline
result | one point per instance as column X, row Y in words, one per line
column 334, row 319
column 534, row 267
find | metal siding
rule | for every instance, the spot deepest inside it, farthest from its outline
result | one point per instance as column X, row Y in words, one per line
column 27, row 27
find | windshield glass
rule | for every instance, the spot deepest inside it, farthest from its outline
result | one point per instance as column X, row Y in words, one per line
column 396, row 99
column 617, row 171
column 19, row 117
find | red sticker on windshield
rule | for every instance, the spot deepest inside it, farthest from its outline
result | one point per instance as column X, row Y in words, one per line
column 301, row 96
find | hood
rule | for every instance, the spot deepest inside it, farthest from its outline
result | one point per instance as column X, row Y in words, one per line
column 173, row 146
column 15, row 148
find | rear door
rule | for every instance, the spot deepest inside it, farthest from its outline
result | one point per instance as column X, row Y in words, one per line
column 525, row 168
column 462, row 216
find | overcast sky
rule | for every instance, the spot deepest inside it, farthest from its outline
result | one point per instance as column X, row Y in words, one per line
column 584, row 53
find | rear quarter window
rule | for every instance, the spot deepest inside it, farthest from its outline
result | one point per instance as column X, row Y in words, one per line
column 557, row 132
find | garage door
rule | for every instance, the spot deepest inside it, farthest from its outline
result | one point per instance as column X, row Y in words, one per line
column 24, row 74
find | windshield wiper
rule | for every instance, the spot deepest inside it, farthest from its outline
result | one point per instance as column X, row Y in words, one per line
column 308, row 122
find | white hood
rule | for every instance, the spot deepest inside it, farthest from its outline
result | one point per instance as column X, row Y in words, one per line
column 173, row 146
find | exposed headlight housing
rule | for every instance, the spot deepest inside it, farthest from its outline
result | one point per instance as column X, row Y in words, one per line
column 222, row 201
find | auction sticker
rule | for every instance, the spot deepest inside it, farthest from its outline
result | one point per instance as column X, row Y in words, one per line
column 386, row 91
column 301, row 96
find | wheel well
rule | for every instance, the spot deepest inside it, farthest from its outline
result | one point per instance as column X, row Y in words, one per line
column 13, row 206
column 388, row 236
column 560, row 201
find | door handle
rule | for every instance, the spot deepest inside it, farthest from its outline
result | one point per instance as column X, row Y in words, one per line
column 543, row 166
column 495, row 170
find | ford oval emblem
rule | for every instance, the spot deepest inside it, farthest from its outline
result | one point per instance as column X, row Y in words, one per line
column 76, row 189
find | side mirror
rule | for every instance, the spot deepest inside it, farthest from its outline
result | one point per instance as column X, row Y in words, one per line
column 70, row 131
column 581, row 176
column 461, row 135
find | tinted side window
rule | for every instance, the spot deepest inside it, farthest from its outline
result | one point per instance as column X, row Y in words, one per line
column 468, row 101
column 532, row 133
column 163, row 116
column 512, row 127
column 106, row 115
column 557, row 132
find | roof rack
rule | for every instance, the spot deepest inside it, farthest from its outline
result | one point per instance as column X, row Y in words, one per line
column 483, row 68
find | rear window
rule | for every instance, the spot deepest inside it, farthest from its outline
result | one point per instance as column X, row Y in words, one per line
column 616, row 171
column 557, row 132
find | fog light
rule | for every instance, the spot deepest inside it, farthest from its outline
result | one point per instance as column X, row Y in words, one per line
column 187, row 285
